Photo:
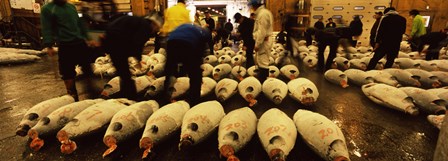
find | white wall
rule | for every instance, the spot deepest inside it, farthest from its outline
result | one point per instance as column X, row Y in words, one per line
column 348, row 12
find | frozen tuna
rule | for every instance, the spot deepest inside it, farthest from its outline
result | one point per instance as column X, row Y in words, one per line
column 436, row 120
column 179, row 88
column 199, row 122
column 274, row 72
column 225, row 59
column 275, row 90
column 162, row 124
column 235, row 131
column 56, row 120
column 126, row 122
column 156, row 87
column 290, row 71
column 249, row 89
column 405, row 63
column 404, row 77
column 253, row 71
column 238, row 73
column 207, row 70
column 322, row 135
column 341, row 63
column 442, row 76
column 358, row 64
column 238, row 60
column 225, row 89
column 208, row 85
column 277, row 134
column 336, row 77
column 303, row 91
column 390, row 96
column 39, row 111
column 211, row 59
column 427, row 79
column 383, row 77
column 425, row 100
column 310, row 61
column 358, row 77
column 221, row 71
column 89, row 121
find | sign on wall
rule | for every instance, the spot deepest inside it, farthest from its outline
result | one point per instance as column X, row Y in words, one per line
column 22, row 4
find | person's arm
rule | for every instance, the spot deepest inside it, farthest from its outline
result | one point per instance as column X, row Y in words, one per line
column 47, row 22
column 415, row 25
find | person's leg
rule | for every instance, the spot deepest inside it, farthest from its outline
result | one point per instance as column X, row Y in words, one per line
column 174, row 48
column 263, row 74
column 333, row 49
column 127, row 84
column 391, row 55
column 320, row 55
column 379, row 53
column 193, row 65
column 67, row 69
column 249, row 53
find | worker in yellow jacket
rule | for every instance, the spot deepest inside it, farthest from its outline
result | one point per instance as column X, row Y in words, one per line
column 174, row 17
column 418, row 29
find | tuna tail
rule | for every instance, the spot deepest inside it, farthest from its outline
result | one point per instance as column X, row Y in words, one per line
column 67, row 146
column 110, row 142
column 233, row 158
column 344, row 84
column 146, row 143
column 252, row 101
column 36, row 143
column 185, row 142
column 277, row 155
column 227, row 151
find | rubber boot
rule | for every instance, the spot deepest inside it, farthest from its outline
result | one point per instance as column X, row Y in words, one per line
column 70, row 86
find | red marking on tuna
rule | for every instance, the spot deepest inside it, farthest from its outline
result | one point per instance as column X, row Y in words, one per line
column 65, row 112
column 275, row 129
column 160, row 118
column 325, row 133
column 236, row 125
column 97, row 113
column 127, row 117
column 202, row 118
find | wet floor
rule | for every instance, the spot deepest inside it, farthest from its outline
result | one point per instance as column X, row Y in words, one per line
column 372, row 132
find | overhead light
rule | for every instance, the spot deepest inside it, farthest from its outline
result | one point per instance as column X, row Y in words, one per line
column 208, row 7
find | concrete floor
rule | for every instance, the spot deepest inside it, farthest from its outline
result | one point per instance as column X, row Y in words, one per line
column 372, row 132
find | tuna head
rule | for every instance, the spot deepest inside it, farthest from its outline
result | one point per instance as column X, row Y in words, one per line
column 227, row 150
column 156, row 87
column 239, row 72
column 224, row 59
column 221, row 71
column 206, row 69
column 225, row 89
column 112, row 87
column 26, row 124
column 249, row 89
column 211, row 59
column 290, row 71
column 273, row 71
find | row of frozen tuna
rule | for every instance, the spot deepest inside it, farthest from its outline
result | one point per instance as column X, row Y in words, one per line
column 123, row 118
column 15, row 58
column 300, row 89
column 394, row 77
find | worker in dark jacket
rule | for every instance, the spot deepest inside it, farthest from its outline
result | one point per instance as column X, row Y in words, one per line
column 356, row 28
column 61, row 25
column 125, row 37
column 328, row 37
column 435, row 40
column 388, row 38
column 186, row 45
column 377, row 17
column 319, row 24
column 330, row 23
column 245, row 30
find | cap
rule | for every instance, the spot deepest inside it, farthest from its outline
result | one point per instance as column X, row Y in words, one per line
column 379, row 13
column 237, row 17
column 255, row 2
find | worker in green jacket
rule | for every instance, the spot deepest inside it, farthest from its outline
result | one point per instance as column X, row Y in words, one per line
column 62, row 26
column 418, row 29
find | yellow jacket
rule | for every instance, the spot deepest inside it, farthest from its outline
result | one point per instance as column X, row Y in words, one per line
column 174, row 17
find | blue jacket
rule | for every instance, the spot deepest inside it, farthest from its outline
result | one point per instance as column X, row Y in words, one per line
column 195, row 35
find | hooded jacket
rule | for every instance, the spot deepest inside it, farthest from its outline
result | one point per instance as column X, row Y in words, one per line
column 391, row 29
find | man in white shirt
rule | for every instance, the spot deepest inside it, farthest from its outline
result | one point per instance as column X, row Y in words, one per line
column 262, row 31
